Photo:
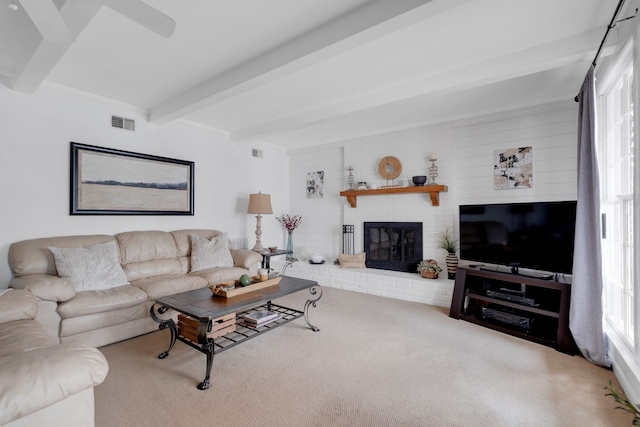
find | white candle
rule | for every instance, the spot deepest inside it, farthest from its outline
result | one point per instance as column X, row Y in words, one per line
column 433, row 156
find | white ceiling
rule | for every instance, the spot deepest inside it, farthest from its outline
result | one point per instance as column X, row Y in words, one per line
column 298, row 73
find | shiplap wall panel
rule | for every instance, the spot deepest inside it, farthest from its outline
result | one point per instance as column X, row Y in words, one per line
column 321, row 227
column 551, row 133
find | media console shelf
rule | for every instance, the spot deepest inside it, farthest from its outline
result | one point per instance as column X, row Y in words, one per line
column 526, row 307
column 434, row 191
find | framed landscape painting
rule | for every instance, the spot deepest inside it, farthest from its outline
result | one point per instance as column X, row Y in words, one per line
column 105, row 181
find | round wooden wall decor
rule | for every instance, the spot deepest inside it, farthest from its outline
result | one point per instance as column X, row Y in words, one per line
column 390, row 168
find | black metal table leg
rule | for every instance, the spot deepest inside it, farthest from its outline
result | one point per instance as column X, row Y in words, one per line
column 164, row 323
column 205, row 384
column 204, row 327
column 313, row 290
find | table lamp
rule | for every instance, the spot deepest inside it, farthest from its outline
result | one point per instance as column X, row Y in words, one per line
column 259, row 204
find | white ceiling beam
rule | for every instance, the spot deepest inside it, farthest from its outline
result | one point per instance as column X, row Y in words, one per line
column 46, row 49
column 143, row 14
column 47, row 19
column 532, row 60
column 371, row 21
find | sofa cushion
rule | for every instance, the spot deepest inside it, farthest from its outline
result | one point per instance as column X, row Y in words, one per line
column 216, row 275
column 210, row 253
column 33, row 257
column 90, row 268
column 17, row 305
column 161, row 286
column 183, row 244
column 88, row 302
column 45, row 287
column 183, row 239
column 36, row 379
column 148, row 253
column 91, row 322
column 22, row 335
column 246, row 258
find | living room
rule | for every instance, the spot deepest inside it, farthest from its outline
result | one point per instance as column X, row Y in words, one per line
column 38, row 128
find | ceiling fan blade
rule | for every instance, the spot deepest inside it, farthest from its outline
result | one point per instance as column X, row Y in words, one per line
column 47, row 19
column 144, row 15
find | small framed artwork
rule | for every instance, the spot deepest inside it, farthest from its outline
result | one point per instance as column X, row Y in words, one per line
column 513, row 168
column 105, row 181
column 315, row 182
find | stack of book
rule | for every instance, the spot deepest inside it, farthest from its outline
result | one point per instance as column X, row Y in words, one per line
column 256, row 319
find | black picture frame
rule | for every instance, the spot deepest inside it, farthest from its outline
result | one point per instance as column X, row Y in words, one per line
column 105, row 181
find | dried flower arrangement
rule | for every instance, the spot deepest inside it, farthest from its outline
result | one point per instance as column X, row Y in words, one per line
column 289, row 222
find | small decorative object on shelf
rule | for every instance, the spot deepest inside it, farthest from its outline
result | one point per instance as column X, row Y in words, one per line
column 419, row 180
column 433, row 169
column 290, row 223
column 351, row 179
column 449, row 244
column 429, row 268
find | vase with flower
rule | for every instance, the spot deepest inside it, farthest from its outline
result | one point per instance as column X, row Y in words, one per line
column 290, row 223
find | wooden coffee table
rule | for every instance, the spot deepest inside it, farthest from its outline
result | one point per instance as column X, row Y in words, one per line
column 202, row 305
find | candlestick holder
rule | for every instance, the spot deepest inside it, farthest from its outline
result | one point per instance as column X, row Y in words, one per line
column 350, row 179
column 433, row 171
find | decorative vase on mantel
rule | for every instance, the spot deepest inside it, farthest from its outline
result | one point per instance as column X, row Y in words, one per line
column 452, row 265
column 290, row 256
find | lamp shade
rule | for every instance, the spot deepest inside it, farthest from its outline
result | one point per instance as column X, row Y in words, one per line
column 260, row 204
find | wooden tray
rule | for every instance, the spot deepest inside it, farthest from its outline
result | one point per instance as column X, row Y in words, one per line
column 239, row 290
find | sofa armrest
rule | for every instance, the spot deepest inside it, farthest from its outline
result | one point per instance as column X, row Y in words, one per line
column 38, row 378
column 17, row 305
column 245, row 258
column 45, row 287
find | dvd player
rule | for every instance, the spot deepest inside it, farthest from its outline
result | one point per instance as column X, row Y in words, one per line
column 509, row 318
column 514, row 296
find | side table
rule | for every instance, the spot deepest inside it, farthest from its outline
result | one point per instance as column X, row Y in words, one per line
column 266, row 256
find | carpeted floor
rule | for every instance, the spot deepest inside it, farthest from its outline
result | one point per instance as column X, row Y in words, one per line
column 375, row 362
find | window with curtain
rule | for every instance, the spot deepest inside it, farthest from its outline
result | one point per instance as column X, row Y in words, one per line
column 616, row 165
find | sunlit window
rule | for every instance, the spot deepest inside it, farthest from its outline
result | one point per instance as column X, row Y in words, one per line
column 616, row 165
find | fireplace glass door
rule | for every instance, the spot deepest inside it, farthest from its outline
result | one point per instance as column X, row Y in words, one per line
column 393, row 245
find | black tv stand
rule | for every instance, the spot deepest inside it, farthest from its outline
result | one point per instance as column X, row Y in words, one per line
column 541, row 314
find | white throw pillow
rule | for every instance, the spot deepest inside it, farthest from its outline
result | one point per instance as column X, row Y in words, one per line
column 212, row 253
column 91, row 268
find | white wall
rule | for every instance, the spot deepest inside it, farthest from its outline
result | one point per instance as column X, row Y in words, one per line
column 465, row 152
column 34, row 170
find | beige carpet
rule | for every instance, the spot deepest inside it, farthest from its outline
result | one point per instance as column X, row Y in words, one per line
column 375, row 362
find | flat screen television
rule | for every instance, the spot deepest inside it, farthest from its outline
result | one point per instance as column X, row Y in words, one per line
column 537, row 236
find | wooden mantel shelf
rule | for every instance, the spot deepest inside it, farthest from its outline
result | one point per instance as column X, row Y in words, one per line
column 434, row 191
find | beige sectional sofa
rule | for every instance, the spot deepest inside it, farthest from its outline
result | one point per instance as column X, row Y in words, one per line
column 155, row 263
column 43, row 383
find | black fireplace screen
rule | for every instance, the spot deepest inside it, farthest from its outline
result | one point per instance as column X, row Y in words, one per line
column 393, row 245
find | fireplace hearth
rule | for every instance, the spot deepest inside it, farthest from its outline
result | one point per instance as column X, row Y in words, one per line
column 393, row 246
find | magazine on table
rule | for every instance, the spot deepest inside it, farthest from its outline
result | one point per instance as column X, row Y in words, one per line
column 259, row 325
column 260, row 317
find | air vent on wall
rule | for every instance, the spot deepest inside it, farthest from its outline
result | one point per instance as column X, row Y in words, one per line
column 256, row 153
column 122, row 123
